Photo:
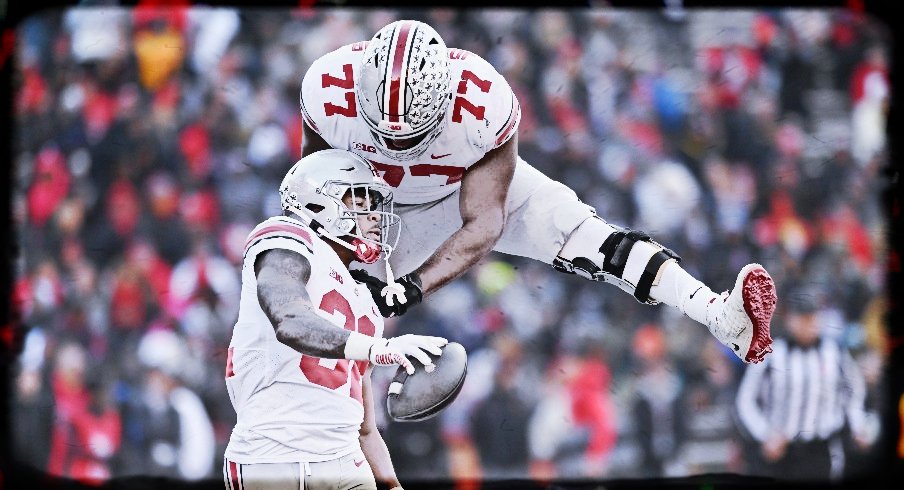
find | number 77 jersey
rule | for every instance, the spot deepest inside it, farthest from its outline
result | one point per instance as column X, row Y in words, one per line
column 482, row 115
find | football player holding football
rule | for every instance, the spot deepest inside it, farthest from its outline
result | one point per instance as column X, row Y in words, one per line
column 299, row 362
column 441, row 125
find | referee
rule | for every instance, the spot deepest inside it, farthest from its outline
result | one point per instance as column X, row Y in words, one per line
column 795, row 405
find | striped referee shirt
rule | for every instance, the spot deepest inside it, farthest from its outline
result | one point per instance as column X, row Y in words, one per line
column 802, row 392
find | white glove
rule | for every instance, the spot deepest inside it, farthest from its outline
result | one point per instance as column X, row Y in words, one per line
column 388, row 352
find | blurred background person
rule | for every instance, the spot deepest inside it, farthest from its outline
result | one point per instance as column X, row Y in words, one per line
column 498, row 421
column 571, row 431
column 169, row 433
column 709, row 442
column 33, row 405
column 656, row 409
column 87, row 430
column 798, row 403
column 870, row 92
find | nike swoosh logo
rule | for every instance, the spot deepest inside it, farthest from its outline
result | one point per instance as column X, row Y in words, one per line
column 695, row 292
column 435, row 157
column 359, row 463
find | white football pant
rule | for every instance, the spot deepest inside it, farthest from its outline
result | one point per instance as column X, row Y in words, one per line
column 346, row 473
column 542, row 213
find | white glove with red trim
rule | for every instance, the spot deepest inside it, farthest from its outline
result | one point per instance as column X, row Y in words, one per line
column 392, row 351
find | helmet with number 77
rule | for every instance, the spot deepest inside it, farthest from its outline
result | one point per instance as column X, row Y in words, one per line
column 313, row 190
column 403, row 88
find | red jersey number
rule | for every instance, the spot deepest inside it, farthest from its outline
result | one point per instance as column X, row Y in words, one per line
column 345, row 370
column 393, row 174
column 350, row 109
column 461, row 103
column 454, row 174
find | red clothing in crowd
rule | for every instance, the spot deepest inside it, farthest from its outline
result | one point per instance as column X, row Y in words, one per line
column 50, row 186
column 194, row 144
column 863, row 71
column 592, row 408
column 82, row 441
column 129, row 301
column 844, row 227
column 783, row 225
column 735, row 68
column 123, row 207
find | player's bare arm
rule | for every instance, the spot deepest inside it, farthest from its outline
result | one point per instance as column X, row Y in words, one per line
column 312, row 142
column 484, row 188
column 372, row 443
column 281, row 278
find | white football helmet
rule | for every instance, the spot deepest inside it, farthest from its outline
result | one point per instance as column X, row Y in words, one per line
column 403, row 88
column 313, row 190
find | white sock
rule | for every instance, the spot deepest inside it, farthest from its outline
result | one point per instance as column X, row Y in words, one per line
column 679, row 289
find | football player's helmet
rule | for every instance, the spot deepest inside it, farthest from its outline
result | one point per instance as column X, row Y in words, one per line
column 313, row 190
column 403, row 88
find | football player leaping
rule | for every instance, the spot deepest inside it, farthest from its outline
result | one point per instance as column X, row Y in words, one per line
column 442, row 127
column 298, row 368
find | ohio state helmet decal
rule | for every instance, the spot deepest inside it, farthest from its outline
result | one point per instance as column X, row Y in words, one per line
column 403, row 85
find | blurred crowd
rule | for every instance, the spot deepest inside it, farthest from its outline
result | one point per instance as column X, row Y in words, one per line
column 148, row 143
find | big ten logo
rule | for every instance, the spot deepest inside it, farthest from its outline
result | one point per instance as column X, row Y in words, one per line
column 335, row 275
column 359, row 46
column 363, row 147
column 457, row 54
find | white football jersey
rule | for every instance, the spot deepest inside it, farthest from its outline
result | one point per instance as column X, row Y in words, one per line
column 482, row 115
column 292, row 407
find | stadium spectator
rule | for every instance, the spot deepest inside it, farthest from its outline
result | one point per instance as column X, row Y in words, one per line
column 572, row 430
column 656, row 409
column 869, row 95
column 709, row 437
column 498, row 421
column 169, row 431
column 796, row 405
column 32, row 404
column 87, row 431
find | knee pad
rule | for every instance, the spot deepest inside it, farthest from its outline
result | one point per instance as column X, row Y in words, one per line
column 629, row 259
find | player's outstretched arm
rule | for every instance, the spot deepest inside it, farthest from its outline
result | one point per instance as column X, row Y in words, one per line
column 484, row 189
column 312, row 142
column 372, row 443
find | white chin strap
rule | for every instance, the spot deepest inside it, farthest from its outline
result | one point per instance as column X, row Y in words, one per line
column 393, row 290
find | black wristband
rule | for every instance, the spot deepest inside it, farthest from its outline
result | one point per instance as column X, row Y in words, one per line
column 415, row 281
column 411, row 284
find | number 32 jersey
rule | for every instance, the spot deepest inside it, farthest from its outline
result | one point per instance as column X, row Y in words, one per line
column 482, row 115
column 292, row 407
